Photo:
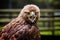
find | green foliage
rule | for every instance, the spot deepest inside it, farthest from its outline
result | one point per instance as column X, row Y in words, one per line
column 0, row 27
column 55, row 4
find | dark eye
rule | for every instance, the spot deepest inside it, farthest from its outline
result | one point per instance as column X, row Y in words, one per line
column 36, row 13
column 27, row 13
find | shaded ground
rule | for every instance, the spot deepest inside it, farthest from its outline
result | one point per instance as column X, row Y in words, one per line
column 48, row 37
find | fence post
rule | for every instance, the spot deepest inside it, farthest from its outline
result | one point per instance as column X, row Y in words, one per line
column 53, row 24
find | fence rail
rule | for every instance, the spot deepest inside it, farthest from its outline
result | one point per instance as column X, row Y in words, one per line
column 47, row 18
column 18, row 10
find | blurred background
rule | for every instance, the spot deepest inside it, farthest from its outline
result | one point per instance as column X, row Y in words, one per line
column 49, row 23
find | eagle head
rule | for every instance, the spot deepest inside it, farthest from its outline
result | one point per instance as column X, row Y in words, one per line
column 31, row 13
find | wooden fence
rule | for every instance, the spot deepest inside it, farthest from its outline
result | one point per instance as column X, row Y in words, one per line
column 50, row 18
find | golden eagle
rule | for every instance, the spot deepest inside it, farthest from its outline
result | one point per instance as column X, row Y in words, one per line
column 24, row 27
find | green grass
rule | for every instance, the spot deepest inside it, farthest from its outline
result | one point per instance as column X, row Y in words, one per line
column 57, row 32
column 50, row 32
column 46, row 33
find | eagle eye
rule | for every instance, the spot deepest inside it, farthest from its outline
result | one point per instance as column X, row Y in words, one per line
column 36, row 13
column 27, row 13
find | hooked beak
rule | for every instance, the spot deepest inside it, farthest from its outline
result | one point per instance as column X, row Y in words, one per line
column 32, row 17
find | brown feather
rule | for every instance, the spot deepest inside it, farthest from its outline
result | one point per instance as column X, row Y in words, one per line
column 20, row 29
